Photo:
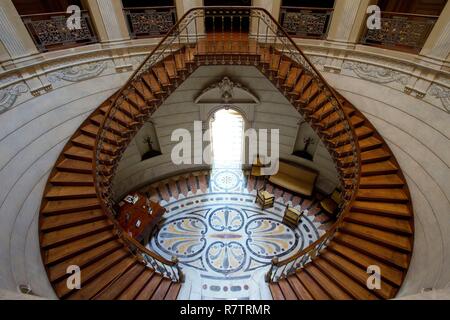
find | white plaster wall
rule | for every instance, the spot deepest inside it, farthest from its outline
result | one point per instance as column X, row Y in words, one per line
column 32, row 135
column 419, row 135
column 179, row 111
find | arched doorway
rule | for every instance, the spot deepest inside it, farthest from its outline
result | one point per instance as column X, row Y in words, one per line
column 227, row 137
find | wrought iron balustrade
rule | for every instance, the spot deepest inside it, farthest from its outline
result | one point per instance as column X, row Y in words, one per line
column 407, row 32
column 306, row 22
column 49, row 31
column 144, row 22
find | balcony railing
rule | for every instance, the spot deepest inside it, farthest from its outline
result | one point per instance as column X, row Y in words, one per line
column 400, row 31
column 306, row 22
column 145, row 22
column 49, row 31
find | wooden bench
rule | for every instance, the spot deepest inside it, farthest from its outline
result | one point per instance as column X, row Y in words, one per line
column 295, row 178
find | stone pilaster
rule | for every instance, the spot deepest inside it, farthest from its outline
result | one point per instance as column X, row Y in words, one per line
column 14, row 36
column 109, row 20
column 349, row 19
column 437, row 45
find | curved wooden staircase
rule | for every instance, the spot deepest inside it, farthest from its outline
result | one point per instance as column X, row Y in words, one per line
column 78, row 228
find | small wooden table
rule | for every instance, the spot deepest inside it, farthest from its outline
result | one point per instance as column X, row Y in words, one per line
column 138, row 219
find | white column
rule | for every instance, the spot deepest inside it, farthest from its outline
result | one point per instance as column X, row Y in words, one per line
column 14, row 36
column 109, row 20
column 437, row 45
column 183, row 6
column 273, row 6
column 349, row 18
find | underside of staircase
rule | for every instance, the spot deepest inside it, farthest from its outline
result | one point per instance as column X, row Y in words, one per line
column 74, row 230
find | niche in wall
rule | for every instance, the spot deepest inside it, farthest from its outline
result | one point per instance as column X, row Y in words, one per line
column 306, row 143
column 147, row 142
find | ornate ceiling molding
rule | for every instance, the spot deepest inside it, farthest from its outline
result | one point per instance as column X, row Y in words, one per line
column 227, row 92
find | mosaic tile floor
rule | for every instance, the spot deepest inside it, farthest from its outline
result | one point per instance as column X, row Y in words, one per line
column 221, row 236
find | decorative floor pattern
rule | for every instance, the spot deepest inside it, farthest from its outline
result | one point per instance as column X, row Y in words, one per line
column 218, row 232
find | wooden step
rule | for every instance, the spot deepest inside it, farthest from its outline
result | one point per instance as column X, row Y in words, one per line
column 173, row 291
column 73, row 248
column 380, row 222
column 161, row 291
column 88, row 142
column 112, row 291
column 144, row 91
column 288, row 292
column 112, row 126
column 58, row 237
column 390, row 209
column 89, row 290
column 276, row 292
column 301, row 84
column 300, row 290
column 283, row 70
column 72, row 179
column 326, row 283
column 381, row 181
column 363, row 132
column 148, row 291
column 382, row 195
column 387, row 238
column 77, row 166
column 153, row 84
column 71, row 192
column 292, row 77
column 92, row 130
column 78, row 153
column 59, row 271
column 71, row 219
column 92, row 272
column 379, row 168
column 161, row 74
column 67, row 206
column 388, row 272
column 385, row 254
column 369, row 143
column 171, row 69
column 376, row 155
column 314, row 289
column 351, row 286
column 356, row 273
column 136, row 287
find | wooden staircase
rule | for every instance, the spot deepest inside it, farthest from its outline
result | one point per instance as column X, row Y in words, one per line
column 76, row 227
column 378, row 229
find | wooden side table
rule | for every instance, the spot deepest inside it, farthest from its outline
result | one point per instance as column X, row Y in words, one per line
column 265, row 199
column 292, row 217
column 138, row 216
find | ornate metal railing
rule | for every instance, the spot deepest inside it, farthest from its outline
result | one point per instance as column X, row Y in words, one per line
column 306, row 22
column 401, row 31
column 236, row 46
column 49, row 31
column 144, row 22
column 168, row 269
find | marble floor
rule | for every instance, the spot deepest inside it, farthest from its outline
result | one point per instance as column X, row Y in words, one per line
column 222, row 238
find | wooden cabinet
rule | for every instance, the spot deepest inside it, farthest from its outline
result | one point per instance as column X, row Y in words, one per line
column 138, row 216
